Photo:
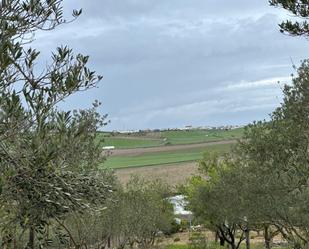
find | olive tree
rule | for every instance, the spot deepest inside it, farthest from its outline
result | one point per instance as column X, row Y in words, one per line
column 213, row 197
column 138, row 212
column 276, row 154
column 48, row 157
column 300, row 9
column 266, row 177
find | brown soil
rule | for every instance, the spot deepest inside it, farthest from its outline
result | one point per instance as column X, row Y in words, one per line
column 173, row 174
column 140, row 151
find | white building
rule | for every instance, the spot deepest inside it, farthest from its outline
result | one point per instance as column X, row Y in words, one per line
column 180, row 203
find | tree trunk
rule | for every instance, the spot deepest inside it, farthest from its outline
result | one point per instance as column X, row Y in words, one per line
column 216, row 237
column 232, row 242
column 220, row 237
column 222, row 241
column 232, row 238
column 109, row 242
column 31, row 238
column 247, row 236
column 267, row 237
column 15, row 243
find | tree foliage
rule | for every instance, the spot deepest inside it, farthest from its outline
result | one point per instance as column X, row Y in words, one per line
column 264, row 182
column 48, row 157
column 134, row 216
column 300, row 9
column 141, row 211
column 277, row 153
column 213, row 198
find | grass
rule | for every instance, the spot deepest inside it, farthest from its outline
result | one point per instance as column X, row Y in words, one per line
column 160, row 158
column 261, row 246
column 216, row 246
column 211, row 245
column 201, row 136
column 155, row 139
column 123, row 143
column 137, row 140
column 178, row 246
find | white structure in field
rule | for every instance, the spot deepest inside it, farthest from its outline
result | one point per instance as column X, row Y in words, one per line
column 179, row 203
column 108, row 147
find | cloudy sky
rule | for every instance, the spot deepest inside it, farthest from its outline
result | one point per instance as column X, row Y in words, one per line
column 171, row 63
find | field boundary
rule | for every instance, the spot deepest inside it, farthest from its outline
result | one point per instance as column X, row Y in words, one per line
column 168, row 145
column 153, row 165
column 168, row 148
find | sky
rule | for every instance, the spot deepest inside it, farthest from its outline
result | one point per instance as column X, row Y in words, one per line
column 172, row 63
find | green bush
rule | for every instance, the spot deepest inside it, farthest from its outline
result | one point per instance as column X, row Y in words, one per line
column 179, row 246
column 174, row 228
column 200, row 246
column 184, row 224
column 215, row 246
column 198, row 241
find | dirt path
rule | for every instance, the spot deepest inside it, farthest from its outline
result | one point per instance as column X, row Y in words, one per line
column 139, row 151
column 172, row 174
column 139, row 138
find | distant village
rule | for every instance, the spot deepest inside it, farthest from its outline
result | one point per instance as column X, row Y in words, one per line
column 185, row 128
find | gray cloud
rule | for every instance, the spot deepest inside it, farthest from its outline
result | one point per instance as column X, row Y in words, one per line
column 177, row 62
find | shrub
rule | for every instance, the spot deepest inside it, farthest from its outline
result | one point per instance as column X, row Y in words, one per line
column 159, row 240
column 178, row 246
column 198, row 241
column 215, row 246
column 174, row 228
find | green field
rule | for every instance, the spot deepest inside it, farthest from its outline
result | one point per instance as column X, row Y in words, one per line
column 160, row 158
column 165, row 138
column 201, row 136
column 123, row 143
column 152, row 139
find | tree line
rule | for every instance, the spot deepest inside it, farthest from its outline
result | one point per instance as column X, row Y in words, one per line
column 52, row 193
column 263, row 183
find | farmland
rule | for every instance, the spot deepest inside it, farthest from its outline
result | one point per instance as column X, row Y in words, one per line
column 173, row 174
column 168, row 155
column 141, row 157
column 170, row 137
column 160, row 150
